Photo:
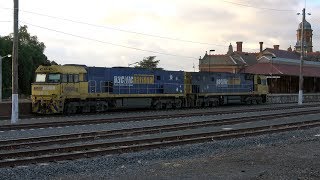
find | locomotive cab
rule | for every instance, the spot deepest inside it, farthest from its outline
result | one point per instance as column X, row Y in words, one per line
column 53, row 84
column 261, row 86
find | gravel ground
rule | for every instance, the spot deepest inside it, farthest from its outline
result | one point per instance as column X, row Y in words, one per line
column 289, row 155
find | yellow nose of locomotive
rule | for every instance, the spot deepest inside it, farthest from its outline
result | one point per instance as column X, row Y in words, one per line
column 45, row 99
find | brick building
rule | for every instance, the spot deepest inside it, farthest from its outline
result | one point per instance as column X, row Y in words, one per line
column 232, row 61
column 282, row 67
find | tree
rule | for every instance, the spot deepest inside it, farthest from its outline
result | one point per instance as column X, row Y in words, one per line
column 31, row 55
column 149, row 63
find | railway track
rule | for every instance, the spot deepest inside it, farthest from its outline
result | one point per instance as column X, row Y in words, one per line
column 70, row 138
column 139, row 118
column 25, row 157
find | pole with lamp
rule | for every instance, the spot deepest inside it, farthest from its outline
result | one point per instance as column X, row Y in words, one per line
column 210, row 53
column 9, row 55
column 15, row 88
column 300, row 96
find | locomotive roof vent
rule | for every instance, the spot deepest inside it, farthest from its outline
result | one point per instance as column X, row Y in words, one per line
column 82, row 65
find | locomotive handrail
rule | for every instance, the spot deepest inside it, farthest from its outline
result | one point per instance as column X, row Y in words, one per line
column 155, row 88
column 95, row 85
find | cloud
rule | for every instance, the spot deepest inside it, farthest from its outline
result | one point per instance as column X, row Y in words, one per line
column 217, row 23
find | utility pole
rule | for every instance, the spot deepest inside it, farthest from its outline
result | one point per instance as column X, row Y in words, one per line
column 300, row 96
column 210, row 53
column 15, row 95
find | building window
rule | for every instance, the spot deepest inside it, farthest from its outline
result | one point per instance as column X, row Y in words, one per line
column 259, row 80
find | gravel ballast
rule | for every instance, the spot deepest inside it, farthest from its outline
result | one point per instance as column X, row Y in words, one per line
column 288, row 155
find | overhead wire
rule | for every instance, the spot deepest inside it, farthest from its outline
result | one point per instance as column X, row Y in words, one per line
column 255, row 7
column 118, row 29
column 122, row 30
column 134, row 32
column 105, row 42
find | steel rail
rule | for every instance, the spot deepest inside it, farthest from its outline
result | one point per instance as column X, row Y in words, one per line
column 87, row 136
column 136, row 118
column 148, row 143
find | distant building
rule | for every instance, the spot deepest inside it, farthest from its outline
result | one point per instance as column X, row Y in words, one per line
column 232, row 61
column 307, row 37
column 282, row 67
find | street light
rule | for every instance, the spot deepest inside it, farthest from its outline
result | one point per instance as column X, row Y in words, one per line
column 211, row 51
column 9, row 55
column 300, row 96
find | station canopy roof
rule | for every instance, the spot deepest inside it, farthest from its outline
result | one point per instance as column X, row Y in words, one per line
column 268, row 68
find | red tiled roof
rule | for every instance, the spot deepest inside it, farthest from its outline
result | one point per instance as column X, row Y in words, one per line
column 282, row 69
column 221, row 59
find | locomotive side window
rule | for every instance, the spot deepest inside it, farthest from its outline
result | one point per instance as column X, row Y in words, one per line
column 64, row 78
column 259, row 80
column 54, row 78
column 84, row 77
column 76, row 78
column 249, row 77
column 70, row 78
column 41, row 78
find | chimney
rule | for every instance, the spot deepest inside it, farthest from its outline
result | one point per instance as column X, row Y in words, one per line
column 261, row 46
column 276, row 47
column 239, row 46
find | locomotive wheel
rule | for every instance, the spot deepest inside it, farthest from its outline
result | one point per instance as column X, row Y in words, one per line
column 86, row 108
column 168, row 105
column 158, row 106
column 70, row 108
column 206, row 104
column 178, row 105
column 214, row 104
column 249, row 102
column 101, row 107
column 259, row 100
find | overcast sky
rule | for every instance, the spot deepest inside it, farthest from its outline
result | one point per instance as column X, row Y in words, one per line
column 109, row 32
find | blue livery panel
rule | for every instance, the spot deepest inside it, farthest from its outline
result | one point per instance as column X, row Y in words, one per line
column 134, row 81
column 204, row 82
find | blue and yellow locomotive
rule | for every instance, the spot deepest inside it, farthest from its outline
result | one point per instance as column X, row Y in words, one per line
column 78, row 88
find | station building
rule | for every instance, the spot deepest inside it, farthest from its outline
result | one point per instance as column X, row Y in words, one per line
column 282, row 67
